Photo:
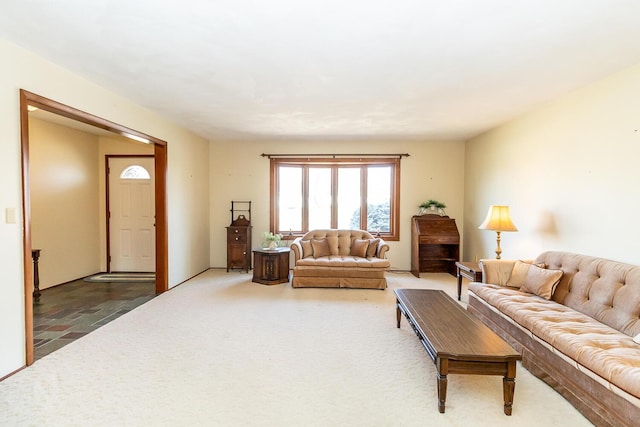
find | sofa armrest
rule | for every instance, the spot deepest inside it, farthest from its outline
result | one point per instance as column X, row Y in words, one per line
column 296, row 247
column 496, row 271
column 383, row 247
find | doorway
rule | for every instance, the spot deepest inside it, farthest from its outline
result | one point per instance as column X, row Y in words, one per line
column 159, row 198
column 131, row 214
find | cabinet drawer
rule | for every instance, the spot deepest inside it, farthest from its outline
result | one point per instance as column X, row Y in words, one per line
column 237, row 238
column 439, row 240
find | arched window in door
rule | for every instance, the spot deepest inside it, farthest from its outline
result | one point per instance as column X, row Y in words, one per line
column 135, row 172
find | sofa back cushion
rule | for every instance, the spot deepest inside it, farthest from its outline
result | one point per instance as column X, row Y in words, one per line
column 608, row 291
column 339, row 240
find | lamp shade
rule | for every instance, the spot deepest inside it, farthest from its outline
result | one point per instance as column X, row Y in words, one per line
column 498, row 219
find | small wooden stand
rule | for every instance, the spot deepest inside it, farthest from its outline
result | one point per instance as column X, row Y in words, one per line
column 35, row 255
column 468, row 270
column 271, row 266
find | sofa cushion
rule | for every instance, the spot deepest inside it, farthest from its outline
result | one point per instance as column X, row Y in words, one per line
column 373, row 247
column 340, row 242
column 307, row 249
column 320, row 248
column 337, row 244
column 540, row 281
column 605, row 351
column 497, row 271
column 344, row 262
column 608, row 291
column 359, row 247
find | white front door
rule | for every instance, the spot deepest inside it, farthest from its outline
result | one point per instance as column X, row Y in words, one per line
column 132, row 214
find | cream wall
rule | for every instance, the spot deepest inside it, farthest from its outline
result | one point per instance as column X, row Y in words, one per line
column 569, row 171
column 238, row 172
column 187, row 181
column 64, row 201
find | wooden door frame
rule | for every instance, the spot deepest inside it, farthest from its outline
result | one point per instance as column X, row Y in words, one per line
column 160, row 154
column 107, row 157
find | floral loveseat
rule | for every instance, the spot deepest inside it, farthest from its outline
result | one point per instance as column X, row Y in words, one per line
column 576, row 321
column 339, row 259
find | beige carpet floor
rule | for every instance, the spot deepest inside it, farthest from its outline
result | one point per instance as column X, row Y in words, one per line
column 220, row 350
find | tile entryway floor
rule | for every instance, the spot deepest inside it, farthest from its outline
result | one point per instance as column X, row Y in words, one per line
column 72, row 310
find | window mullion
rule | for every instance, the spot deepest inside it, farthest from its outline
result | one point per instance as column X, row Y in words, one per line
column 305, row 198
column 363, row 198
column 334, row 197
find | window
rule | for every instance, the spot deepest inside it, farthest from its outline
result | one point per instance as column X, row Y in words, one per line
column 135, row 172
column 308, row 194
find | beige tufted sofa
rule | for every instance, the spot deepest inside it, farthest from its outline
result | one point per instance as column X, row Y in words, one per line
column 581, row 340
column 339, row 259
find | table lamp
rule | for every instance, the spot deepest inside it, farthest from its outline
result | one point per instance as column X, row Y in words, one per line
column 498, row 219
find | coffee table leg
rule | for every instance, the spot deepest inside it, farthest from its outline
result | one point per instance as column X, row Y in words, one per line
column 508, row 387
column 459, row 284
column 398, row 313
column 443, row 368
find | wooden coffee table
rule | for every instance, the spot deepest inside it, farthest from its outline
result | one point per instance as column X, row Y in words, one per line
column 456, row 341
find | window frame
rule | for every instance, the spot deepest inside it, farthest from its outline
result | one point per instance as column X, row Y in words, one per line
column 394, row 221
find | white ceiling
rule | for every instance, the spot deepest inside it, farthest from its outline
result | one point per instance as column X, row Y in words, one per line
column 327, row 69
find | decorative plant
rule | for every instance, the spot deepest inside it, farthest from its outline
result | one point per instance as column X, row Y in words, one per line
column 271, row 240
column 434, row 203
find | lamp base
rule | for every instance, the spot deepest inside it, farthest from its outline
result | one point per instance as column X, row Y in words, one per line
column 498, row 250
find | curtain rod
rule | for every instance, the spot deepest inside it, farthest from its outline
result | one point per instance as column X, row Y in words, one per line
column 271, row 156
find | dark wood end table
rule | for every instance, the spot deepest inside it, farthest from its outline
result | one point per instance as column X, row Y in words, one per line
column 271, row 266
column 457, row 342
column 468, row 270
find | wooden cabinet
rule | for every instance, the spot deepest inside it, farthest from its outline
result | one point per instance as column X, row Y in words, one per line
column 239, row 247
column 435, row 244
column 239, row 237
column 271, row 267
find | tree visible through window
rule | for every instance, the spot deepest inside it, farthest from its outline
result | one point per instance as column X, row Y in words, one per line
column 308, row 194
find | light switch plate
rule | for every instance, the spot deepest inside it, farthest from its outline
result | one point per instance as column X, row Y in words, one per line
column 10, row 215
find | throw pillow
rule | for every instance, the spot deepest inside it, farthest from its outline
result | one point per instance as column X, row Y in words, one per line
column 541, row 282
column 637, row 338
column 320, row 248
column 372, row 250
column 518, row 274
column 307, row 249
column 359, row 248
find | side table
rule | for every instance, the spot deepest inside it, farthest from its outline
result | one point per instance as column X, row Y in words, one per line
column 468, row 270
column 271, row 266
